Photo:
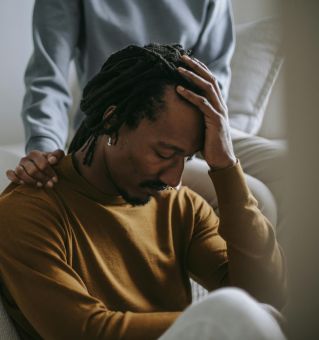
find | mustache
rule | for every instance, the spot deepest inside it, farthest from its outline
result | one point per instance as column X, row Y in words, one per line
column 155, row 185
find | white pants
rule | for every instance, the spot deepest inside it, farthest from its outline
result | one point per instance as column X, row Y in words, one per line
column 226, row 314
column 262, row 160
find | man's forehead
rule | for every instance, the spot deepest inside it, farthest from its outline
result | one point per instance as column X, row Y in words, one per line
column 171, row 146
column 180, row 121
column 178, row 125
column 179, row 150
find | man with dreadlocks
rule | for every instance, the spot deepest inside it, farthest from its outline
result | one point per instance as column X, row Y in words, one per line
column 89, row 31
column 107, row 253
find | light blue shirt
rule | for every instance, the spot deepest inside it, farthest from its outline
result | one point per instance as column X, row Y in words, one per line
column 88, row 31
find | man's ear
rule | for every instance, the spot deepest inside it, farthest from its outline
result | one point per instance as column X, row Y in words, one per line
column 108, row 115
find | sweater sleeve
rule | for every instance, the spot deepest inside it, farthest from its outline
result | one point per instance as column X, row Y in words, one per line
column 56, row 26
column 51, row 296
column 250, row 257
column 216, row 43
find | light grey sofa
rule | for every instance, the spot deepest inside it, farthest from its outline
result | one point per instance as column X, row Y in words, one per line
column 7, row 329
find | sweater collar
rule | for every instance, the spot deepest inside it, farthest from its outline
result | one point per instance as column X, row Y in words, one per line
column 66, row 170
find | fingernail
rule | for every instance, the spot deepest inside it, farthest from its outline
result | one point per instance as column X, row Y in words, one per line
column 55, row 179
column 39, row 184
column 180, row 88
column 52, row 159
column 50, row 184
column 181, row 69
column 21, row 182
column 185, row 56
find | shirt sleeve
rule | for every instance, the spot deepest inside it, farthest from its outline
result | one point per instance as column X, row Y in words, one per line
column 241, row 248
column 48, row 291
column 56, row 26
column 216, row 42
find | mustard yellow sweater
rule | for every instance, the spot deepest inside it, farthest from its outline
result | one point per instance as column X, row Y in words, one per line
column 79, row 264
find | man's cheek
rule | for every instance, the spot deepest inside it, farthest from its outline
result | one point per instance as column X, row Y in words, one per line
column 148, row 166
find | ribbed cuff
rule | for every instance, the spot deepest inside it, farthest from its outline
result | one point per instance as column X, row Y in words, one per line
column 230, row 185
column 40, row 143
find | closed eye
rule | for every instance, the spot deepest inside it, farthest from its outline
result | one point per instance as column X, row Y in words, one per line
column 188, row 158
column 164, row 157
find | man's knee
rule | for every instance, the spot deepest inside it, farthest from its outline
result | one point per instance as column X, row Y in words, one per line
column 266, row 200
column 230, row 301
column 227, row 313
column 244, row 314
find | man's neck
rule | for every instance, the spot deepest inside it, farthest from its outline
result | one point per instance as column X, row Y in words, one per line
column 97, row 172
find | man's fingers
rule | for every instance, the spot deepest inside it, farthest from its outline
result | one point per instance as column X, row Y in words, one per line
column 206, row 86
column 11, row 175
column 201, row 63
column 33, row 171
column 201, row 102
column 202, row 70
column 55, row 156
column 24, row 176
column 44, row 169
column 35, row 168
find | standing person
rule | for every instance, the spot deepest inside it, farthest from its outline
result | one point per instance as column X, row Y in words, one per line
column 107, row 253
column 87, row 32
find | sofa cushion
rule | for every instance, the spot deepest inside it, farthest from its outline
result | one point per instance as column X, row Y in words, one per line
column 255, row 66
column 7, row 330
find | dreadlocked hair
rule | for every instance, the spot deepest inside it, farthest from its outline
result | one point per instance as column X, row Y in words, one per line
column 133, row 80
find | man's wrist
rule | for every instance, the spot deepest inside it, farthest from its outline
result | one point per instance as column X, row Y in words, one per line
column 230, row 185
column 41, row 143
column 214, row 168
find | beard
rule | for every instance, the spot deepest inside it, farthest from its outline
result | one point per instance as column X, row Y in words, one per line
column 137, row 201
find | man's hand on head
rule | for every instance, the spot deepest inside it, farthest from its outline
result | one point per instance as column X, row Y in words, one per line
column 218, row 148
column 36, row 168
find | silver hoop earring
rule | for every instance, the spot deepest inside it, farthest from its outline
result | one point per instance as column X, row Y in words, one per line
column 109, row 141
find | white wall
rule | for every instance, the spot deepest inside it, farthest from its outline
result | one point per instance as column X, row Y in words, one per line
column 16, row 48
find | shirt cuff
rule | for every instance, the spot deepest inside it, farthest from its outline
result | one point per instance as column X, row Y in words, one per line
column 40, row 143
column 230, row 185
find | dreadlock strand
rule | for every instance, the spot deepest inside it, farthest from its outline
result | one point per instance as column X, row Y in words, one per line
column 90, row 150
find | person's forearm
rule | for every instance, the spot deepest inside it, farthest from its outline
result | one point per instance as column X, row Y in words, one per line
column 256, row 263
column 47, row 99
column 41, row 143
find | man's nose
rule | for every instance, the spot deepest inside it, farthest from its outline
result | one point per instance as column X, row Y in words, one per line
column 172, row 175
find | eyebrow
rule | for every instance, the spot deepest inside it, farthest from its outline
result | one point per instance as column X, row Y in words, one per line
column 171, row 146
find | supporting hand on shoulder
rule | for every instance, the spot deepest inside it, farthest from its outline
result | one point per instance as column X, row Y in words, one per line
column 36, row 168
